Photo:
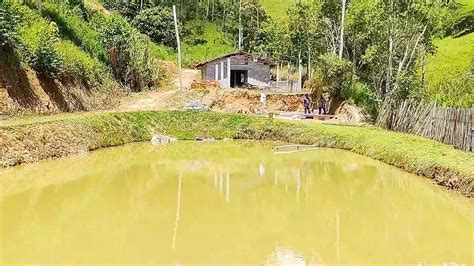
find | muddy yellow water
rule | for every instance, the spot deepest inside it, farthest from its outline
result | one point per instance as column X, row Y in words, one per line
column 228, row 202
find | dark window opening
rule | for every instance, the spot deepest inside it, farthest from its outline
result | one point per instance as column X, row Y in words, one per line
column 238, row 78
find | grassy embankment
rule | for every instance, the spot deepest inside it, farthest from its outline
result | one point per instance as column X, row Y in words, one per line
column 445, row 69
column 56, row 137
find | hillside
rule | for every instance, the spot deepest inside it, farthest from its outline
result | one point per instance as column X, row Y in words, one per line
column 51, row 62
column 447, row 72
column 63, row 56
column 276, row 8
column 205, row 41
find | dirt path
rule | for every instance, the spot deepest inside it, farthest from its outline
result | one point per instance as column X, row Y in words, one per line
column 162, row 99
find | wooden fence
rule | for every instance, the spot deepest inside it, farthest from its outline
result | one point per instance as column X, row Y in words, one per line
column 447, row 125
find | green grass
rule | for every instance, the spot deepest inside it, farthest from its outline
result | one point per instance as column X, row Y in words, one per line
column 162, row 52
column 276, row 8
column 447, row 82
column 452, row 58
column 467, row 5
column 32, row 141
column 215, row 43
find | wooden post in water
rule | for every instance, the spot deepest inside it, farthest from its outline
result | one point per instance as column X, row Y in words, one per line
column 180, row 75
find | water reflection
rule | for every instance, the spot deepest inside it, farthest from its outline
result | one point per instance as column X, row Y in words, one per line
column 213, row 204
column 287, row 257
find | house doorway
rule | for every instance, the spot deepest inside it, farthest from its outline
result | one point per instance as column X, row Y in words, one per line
column 238, row 78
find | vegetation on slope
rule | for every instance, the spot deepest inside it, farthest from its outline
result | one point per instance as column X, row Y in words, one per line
column 276, row 8
column 204, row 42
column 79, row 133
column 450, row 72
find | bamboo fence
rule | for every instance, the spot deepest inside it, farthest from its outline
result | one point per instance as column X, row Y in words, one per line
column 447, row 125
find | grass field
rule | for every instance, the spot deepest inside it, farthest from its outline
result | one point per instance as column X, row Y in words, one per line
column 452, row 58
column 200, row 46
column 447, row 82
column 467, row 5
column 276, row 8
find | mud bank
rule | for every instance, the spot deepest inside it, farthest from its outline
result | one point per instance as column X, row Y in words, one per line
column 27, row 143
column 22, row 90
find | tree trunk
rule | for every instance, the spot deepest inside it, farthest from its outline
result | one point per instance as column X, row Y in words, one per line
column 300, row 73
column 240, row 25
column 178, row 42
column 341, row 44
column 334, row 103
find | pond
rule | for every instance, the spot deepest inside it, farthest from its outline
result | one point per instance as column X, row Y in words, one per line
column 227, row 202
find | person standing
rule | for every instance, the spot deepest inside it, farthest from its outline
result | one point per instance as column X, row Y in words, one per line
column 322, row 105
column 307, row 104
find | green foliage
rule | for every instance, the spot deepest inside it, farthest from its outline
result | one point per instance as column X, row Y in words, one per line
column 252, row 16
column 9, row 20
column 40, row 38
column 52, row 56
column 46, row 59
column 203, row 42
column 276, row 9
column 448, row 73
column 127, row 9
column 457, row 92
column 363, row 96
column 158, row 24
column 72, row 26
column 79, row 65
column 128, row 53
column 336, row 75
column 162, row 52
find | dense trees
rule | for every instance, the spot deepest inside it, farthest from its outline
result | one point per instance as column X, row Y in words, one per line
column 383, row 42
column 157, row 22
column 376, row 54
column 128, row 53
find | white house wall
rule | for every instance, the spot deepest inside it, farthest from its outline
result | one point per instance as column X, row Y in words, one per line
column 258, row 72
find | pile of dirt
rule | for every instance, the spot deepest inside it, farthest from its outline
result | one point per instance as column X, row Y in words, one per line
column 24, row 90
column 248, row 101
column 220, row 100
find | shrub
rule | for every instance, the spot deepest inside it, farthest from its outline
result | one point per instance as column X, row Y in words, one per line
column 128, row 53
column 72, row 26
column 39, row 38
column 9, row 20
column 158, row 23
column 336, row 74
column 79, row 65
column 128, row 10
column 453, row 92
column 45, row 58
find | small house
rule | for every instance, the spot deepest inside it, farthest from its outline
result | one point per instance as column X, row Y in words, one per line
column 236, row 70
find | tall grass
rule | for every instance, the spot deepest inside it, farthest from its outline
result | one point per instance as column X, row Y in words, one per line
column 73, row 27
column 449, row 75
